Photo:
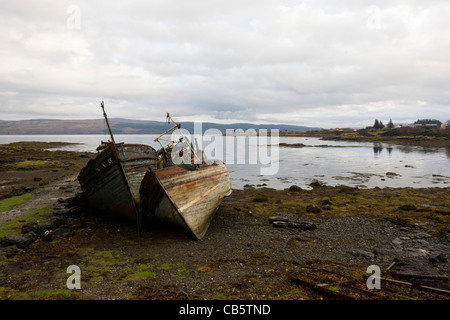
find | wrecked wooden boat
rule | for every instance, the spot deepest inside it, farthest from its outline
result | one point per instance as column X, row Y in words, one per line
column 185, row 197
column 186, row 194
column 110, row 182
column 139, row 183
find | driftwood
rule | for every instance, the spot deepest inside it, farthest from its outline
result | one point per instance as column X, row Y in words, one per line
column 408, row 275
column 391, row 265
column 323, row 290
column 398, row 222
column 413, row 285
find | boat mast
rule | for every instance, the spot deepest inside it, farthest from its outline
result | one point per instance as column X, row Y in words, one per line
column 176, row 126
column 107, row 122
column 167, row 131
column 122, row 168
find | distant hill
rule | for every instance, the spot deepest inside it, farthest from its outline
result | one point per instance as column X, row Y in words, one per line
column 122, row 126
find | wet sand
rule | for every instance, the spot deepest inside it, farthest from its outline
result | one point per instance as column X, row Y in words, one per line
column 334, row 234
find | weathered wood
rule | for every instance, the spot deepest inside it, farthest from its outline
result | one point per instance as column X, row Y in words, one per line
column 398, row 222
column 409, row 275
column 412, row 285
column 183, row 197
column 323, row 290
column 390, row 266
column 107, row 122
column 110, row 182
column 126, row 179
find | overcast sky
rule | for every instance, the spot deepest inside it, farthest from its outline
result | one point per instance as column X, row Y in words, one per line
column 315, row 62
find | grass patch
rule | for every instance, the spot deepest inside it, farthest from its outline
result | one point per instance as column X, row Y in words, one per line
column 15, row 226
column 101, row 257
column 54, row 294
column 333, row 288
column 98, row 265
column 7, row 204
column 182, row 271
column 12, row 294
column 142, row 275
column 220, row 296
column 3, row 260
column 138, row 272
column 109, row 265
column 31, row 165
column 164, row 266
column 293, row 294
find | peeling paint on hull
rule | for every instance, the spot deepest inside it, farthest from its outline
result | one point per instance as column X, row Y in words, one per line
column 183, row 197
column 111, row 181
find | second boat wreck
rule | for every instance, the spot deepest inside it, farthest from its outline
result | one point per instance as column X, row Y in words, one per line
column 137, row 182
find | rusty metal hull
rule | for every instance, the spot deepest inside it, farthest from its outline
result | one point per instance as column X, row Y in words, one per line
column 183, row 197
column 111, row 181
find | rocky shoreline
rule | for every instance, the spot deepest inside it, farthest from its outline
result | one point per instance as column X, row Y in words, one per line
column 331, row 235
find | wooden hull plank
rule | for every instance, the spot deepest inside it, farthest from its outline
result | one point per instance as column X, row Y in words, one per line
column 106, row 181
column 186, row 198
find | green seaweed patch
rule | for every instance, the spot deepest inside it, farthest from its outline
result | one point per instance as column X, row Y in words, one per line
column 294, row 294
column 7, row 204
column 98, row 265
column 137, row 272
column 333, row 288
column 31, row 165
column 142, row 275
column 55, row 294
column 5, row 293
column 41, row 215
column 182, row 272
column 164, row 266
column 62, row 294
column 3, row 260
column 220, row 296
column 101, row 265
column 13, row 294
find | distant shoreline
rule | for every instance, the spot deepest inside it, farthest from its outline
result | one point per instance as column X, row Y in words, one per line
column 126, row 126
column 418, row 140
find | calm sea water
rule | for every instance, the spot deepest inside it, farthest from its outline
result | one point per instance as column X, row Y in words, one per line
column 331, row 162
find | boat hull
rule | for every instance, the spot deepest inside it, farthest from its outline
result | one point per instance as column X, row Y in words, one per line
column 183, row 197
column 110, row 182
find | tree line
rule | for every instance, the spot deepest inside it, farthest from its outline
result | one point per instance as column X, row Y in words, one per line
column 379, row 124
column 424, row 122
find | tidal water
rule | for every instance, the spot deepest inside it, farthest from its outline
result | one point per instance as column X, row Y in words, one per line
column 365, row 165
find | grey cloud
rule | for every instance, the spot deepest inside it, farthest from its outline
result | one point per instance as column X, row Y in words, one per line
column 266, row 60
